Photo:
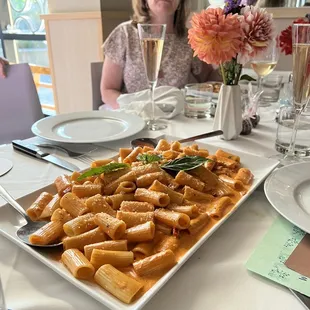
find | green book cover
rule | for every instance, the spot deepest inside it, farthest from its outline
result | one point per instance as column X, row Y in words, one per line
column 270, row 255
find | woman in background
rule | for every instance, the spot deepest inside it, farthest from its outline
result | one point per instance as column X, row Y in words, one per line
column 123, row 69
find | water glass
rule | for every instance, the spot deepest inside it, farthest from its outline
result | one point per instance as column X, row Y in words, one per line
column 198, row 100
column 284, row 131
column 271, row 89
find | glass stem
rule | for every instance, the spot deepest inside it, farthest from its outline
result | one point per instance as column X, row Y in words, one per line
column 291, row 149
column 152, row 88
column 260, row 84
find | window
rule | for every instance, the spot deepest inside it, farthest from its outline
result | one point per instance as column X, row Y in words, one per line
column 22, row 39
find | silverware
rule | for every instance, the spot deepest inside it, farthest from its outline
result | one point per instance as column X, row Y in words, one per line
column 153, row 142
column 25, row 231
column 35, row 152
column 86, row 159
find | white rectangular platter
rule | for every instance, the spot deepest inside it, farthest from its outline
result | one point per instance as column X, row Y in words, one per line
column 10, row 221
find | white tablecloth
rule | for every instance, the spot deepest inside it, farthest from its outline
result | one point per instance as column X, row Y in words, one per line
column 214, row 278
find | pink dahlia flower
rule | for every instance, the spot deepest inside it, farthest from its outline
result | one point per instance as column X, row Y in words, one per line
column 214, row 37
column 258, row 29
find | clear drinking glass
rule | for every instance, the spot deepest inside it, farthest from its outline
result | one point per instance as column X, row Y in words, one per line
column 152, row 38
column 263, row 64
column 301, row 82
column 198, row 100
column 284, row 132
column 272, row 85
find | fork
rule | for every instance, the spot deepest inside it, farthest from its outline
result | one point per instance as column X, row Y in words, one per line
column 84, row 158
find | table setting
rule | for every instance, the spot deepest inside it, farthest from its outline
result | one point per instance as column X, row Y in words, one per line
column 234, row 200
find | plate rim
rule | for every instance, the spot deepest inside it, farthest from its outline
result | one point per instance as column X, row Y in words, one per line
column 278, row 208
column 135, row 120
column 140, row 303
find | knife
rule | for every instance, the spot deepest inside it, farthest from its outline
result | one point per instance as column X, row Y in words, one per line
column 33, row 151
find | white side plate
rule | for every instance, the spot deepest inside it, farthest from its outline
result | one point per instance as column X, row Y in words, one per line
column 88, row 127
column 288, row 190
column 10, row 221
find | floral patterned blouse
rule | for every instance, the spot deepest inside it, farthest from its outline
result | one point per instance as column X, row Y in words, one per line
column 178, row 67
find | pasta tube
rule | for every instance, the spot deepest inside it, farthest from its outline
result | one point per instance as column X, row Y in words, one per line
column 112, row 176
column 184, row 178
column 133, row 155
column 78, row 264
column 154, row 264
column 80, row 224
column 162, row 145
column 144, row 248
column 198, row 223
column 74, row 177
column 36, row 209
column 167, row 243
column 147, row 179
column 48, row 234
column 115, row 245
column 115, row 200
column 98, row 204
column 193, row 195
column 210, row 164
column 117, row 283
column 176, row 146
column 146, row 169
column 79, row 242
column 135, row 218
column 61, row 215
column 101, row 162
column 124, row 152
column 140, row 233
column 111, row 188
column 218, row 208
column 125, row 187
column 222, row 153
column 192, row 210
column 170, row 154
column 175, row 197
column 244, row 175
column 86, row 190
column 173, row 219
column 63, row 185
column 161, row 227
column 115, row 258
column 136, row 206
column 235, row 184
column 227, row 162
column 113, row 227
column 51, row 207
column 73, row 204
column 156, row 198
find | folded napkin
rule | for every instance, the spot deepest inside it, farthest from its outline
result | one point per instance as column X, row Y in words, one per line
column 169, row 102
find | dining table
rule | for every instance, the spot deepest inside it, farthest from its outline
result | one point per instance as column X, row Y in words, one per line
column 214, row 278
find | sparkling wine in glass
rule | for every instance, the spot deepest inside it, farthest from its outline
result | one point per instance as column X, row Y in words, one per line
column 301, row 82
column 152, row 38
column 263, row 64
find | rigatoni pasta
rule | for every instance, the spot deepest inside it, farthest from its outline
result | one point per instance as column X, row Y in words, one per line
column 138, row 221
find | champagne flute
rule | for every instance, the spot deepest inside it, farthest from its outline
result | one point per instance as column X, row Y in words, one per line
column 263, row 64
column 152, row 38
column 301, row 82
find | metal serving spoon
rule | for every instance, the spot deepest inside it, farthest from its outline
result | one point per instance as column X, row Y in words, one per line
column 25, row 231
column 153, row 142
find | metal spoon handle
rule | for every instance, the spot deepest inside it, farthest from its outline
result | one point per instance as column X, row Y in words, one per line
column 203, row 136
column 8, row 198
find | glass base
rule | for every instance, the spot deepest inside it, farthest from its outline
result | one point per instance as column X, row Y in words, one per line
column 155, row 125
column 286, row 160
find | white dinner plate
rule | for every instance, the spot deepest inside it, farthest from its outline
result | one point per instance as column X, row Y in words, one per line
column 288, row 191
column 88, row 127
column 10, row 221
column 5, row 166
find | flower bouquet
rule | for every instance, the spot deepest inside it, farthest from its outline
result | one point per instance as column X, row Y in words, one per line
column 229, row 38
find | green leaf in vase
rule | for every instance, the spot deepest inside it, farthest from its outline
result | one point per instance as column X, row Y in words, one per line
column 149, row 158
column 184, row 163
column 246, row 77
column 103, row 169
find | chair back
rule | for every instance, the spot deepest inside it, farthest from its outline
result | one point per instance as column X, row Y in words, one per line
column 19, row 104
column 96, row 69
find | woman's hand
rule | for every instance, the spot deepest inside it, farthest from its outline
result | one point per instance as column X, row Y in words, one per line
column 3, row 63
